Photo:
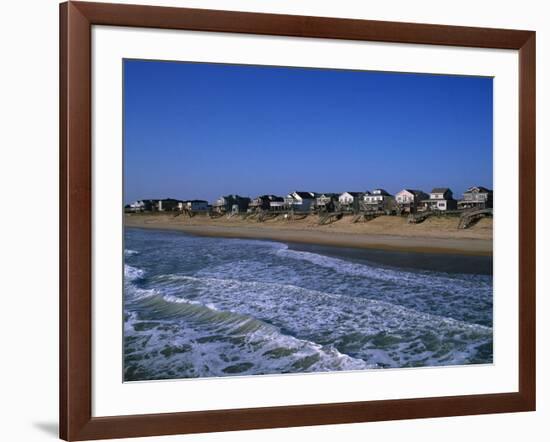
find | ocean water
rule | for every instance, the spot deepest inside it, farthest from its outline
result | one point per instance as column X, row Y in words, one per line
column 202, row 307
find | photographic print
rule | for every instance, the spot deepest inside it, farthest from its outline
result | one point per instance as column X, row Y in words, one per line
column 286, row 220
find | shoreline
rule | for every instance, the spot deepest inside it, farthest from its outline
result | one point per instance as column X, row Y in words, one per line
column 318, row 235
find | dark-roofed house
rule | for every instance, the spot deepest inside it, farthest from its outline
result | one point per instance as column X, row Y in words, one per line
column 193, row 205
column 277, row 204
column 409, row 200
column 168, row 204
column 231, row 204
column 477, row 197
column 264, row 202
column 441, row 198
column 378, row 200
column 301, row 201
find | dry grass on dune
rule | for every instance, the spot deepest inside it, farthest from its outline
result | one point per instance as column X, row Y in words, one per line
column 436, row 227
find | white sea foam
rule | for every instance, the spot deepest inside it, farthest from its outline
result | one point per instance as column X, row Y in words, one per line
column 246, row 291
column 404, row 336
column 243, row 307
column 132, row 273
column 128, row 252
column 213, row 343
column 463, row 297
column 376, row 272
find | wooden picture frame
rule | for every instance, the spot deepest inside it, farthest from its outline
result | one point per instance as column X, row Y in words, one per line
column 76, row 421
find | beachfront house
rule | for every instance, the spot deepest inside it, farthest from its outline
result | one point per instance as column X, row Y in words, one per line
column 142, row 206
column 277, row 204
column 136, row 206
column 327, row 202
column 168, row 205
column 350, row 201
column 301, row 201
column 231, row 204
column 378, row 200
column 193, row 206
column 441, row 198
column 477, row 197
column 266, row 202
column 409, row 200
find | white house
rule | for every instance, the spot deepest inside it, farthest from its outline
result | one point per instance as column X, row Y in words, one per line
column 409, row 200
column 144, row 206
column 441, row 198
column 350, row 200
column 378, row 199
column 137, row 206
column 301, row 201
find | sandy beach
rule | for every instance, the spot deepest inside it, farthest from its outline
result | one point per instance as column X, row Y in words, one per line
column 435, row 235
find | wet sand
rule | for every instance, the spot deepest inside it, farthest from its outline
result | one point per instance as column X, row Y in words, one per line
column 435, row 235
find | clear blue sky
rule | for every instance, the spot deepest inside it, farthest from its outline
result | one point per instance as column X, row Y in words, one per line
column 197, row 131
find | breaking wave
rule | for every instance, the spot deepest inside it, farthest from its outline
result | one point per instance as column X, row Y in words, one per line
column 257, row 307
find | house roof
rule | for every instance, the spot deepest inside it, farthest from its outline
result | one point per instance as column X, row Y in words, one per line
column 379, row 192
column 440, row 189
column 354, row 193
column 236, row 197
column 196, row 201
column 479, row 188
column 305, row 195
column 270, row 198
column 415, row 192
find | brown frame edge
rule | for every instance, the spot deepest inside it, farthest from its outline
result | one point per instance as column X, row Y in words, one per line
column 76, row 421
